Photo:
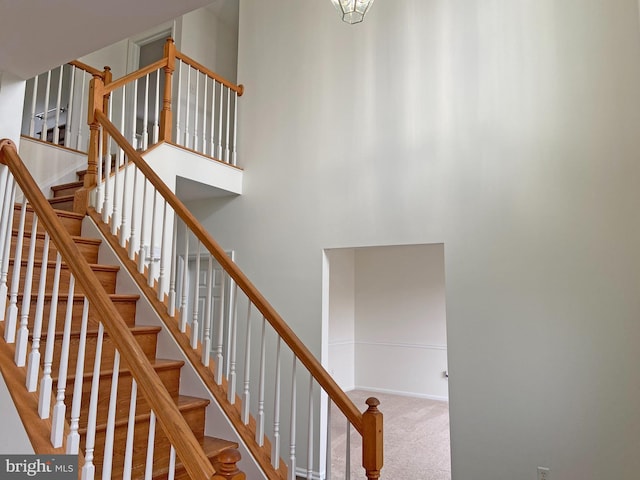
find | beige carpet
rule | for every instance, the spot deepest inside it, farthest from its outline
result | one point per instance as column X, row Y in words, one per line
column 416, row 439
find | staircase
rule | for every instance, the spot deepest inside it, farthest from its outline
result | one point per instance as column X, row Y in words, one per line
column 221, row 453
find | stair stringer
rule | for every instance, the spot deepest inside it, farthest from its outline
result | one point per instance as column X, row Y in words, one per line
column 217, row 423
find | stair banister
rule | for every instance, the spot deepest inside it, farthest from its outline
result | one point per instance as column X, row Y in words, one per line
column 178, row 432
column 368, row 424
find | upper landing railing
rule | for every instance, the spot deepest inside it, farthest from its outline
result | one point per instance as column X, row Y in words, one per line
column 175, row 100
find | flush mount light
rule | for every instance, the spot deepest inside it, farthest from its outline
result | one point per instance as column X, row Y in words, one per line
column 352, row 11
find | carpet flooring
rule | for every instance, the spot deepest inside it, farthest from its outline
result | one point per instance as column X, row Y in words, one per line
column 416, row 439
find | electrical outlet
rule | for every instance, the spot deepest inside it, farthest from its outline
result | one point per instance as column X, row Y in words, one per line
column 544, row 473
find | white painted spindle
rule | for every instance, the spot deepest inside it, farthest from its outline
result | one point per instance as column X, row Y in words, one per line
column 234, row 159
column 134, row 215
column 70, row 116
column 156, row 113
column 43, row 132
column 187, row 105
column 73, row 439
column 232, row 346
column 185, row 280
column 221, row 321
column 206, row 342
column 88, row 469
column 292, row 424
column 143, row 230
column 347, row 472
column 33, row 363
column 56, row 125
column 148, row 471
column 128, row 449
column 204, row 115
column 247, row 370
column 179, row 103
column 171, row 309
column 82, row 95
column 163, row 254
column 57, row 427
column 195, row 325
column 10, row 195
column 34, row 100
column 23, row 331
column 46, row 384
column 220, row 122
column 260, row 419
column 226, row 143
column 275, row 444
column 328, row 444
column 99, row 186
column 145, row 114
column 107, row 461
column 172, row 463
column 213, row 116
column 310, row 432
column 11, row 316
column 195, row 112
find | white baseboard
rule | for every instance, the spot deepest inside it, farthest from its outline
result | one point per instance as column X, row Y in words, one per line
column 301, row 473
column 402, row 393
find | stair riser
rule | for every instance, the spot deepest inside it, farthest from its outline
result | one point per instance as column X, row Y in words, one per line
column 88, row 249
column 72, row 224
column 146, row 340
column 195, row 418
column 62, row 203
column 126, row 307
column 61, row 191
column 170, row 377
column 107, row 277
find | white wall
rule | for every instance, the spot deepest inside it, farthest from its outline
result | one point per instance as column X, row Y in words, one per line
column 505, row 130
column 13, row 436
column 342, row 317
column 11, row 99
column 400, row 320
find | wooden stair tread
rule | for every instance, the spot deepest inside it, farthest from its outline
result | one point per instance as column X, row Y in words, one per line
column 75, row 238
column 212, row 447
column 64, row 186
column 94, row 332
column 96, row 267
column 184, row 403
column 59, row 213
column 115, row 297
column 159, row 364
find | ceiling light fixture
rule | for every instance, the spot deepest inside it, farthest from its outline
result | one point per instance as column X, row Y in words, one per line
column 352, row 11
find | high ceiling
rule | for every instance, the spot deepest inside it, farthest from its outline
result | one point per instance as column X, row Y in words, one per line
column 36, row 35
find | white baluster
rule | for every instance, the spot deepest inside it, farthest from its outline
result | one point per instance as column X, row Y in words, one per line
column 186, row 121
column 247, row 370
column 12, row 310
column 7, row 228
column 43, row 132
column 57, row 427
column 23, row 332
column 204, row 116
column 232, row 349
column 123, row 219
column 143, row 230
column 275, row 445
column 206, row 343
column 70, row 117
column 171, row 310
column 195, row 113
column 148, row 471
column 107, row 461
column 152, row 243
column 172, row 463
column 234, row 159
column 56, row 127
column 34, row 100
column 145, row 115
column 134, row 215
column 185, row 279
column 260, row 419
column 194, row 323
column 115, row 208
column 179, row 103
column 292, row 424
column 156, row 113
column 219, row 349
column 88, row 469
column 230, row 305
column 73, row 439
column 310, row 432
column 134, row 116
column 46, row 384
column 106, row 164
column 213, row 116
column 347, row 473
column 34, row 356
column 220, row 122
column 131, row 424
column 99, row 185
column 163, row 255
column 226, row 143
column 328, row 453
column 82, row 95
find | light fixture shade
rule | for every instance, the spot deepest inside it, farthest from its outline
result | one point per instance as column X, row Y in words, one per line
column 352, row 11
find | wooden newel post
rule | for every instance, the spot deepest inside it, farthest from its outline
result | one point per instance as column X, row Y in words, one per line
column 107, row 78
column 226, row 468
column 96, row 96
column 372, row 439
column 166, row 116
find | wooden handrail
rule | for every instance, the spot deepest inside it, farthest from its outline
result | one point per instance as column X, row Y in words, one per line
column 342, row 401
column 86, row 68
column 173, row 423
column 198, row 66
column 122, row 81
